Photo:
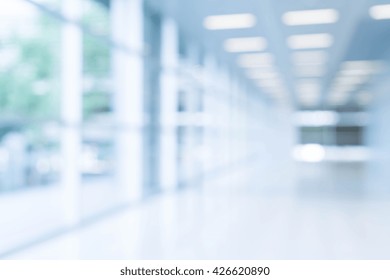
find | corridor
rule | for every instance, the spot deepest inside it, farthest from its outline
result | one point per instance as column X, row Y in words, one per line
column 209, row 129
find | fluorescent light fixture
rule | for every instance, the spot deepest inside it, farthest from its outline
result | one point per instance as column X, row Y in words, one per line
column 316, row 118
column 309, row 100
column 355, row 72
column 231, row 21
column 309, row 92
column 277, row 93
column 308, row 86
column 274, row 83
column 380, row 12
column 310, row 71
column 310, row 17
column 248, row 44
column 351, row 80
column 261, row 74
column 309, row 57
column 255, row 60
column 310, row 41
column 369, row 65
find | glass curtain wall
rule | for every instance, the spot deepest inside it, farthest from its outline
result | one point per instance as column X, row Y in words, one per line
column 92, row 116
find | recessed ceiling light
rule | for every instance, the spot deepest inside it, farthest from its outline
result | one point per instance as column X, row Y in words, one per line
column 310, row 41
column 255, row 60
column 309, row 85
column 356, row 72
column 248, row 44
column 310, row 71
column 261, row 74
column 372, row 65
column 309, row 17
column 316, row 118
column 379, row 12
column 309, row 92
column 309, row 99
column 277, row 92
column 351, row 80
column 272, row 83
column 309, row 57
column 231, row 21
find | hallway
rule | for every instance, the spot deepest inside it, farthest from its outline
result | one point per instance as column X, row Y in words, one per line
column 214, row 129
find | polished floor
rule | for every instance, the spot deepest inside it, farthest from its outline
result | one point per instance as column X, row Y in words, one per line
column 311, row 211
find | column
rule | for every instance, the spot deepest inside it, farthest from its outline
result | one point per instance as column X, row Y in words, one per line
column 127, row 71
column 71, row 111
column 210, row 116
column 168, row 159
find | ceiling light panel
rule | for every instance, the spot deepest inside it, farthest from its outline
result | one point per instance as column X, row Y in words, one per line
column 262, row 74
column 309, row 57
column 310, row 41
column 372, row 66
column 274, row 83
column 351, row 77
column 380, row 12
column 231, row 21
column 311, row 17
column 309, row 92
column 316, row 118
column 248, row 44
column 256, row 60
column 310, row 71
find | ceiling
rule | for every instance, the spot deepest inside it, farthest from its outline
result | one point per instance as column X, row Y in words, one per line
column 356, row 37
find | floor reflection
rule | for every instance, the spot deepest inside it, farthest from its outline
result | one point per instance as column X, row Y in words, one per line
column 319, row 211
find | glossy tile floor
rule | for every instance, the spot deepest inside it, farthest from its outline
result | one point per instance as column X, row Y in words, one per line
column 311, row 211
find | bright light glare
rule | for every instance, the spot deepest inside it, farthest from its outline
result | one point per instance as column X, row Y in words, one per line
column 309, row 153
column 248, row 44
column 310, row 41
column 231, row 21
column 12, row 9
column 309, row 17
column 380, row 12
column 255, row 60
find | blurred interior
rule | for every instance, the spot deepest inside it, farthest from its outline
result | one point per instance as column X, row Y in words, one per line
column 209, row 129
